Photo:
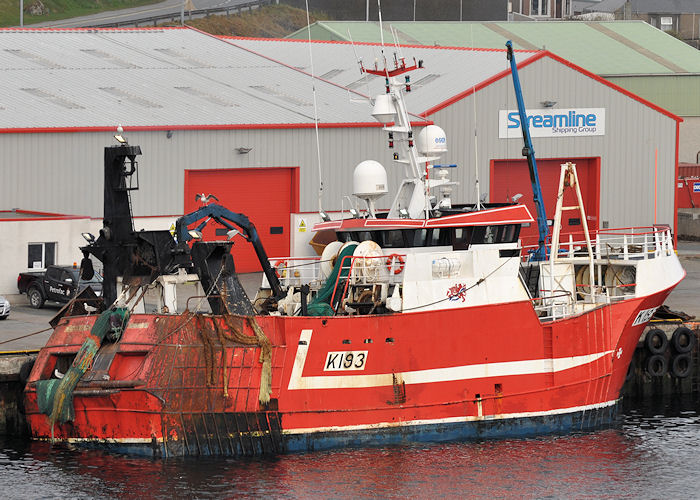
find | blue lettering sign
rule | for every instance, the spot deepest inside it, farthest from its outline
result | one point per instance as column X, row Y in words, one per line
column 513, row 118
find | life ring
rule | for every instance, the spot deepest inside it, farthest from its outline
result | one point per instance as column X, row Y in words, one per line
column 656, row 365
column 681, row 365
column 390, row 263
column 656, row 341
column 280, row 262
column 683, row 340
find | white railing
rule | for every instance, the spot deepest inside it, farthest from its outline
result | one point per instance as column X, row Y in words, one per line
column 297, row 271
column 618, row 244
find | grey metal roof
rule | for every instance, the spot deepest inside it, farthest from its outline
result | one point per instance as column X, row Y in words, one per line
column 179, row 77
column 151, row 77
column 447, row 72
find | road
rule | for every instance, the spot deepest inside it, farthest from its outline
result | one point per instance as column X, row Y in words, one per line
column 128, row 17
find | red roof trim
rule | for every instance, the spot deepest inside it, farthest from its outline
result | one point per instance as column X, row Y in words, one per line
column 614, row 86
column 37, row 216
column 539, row 55
column 230, row 126
column 515, row 214
column 675, row 190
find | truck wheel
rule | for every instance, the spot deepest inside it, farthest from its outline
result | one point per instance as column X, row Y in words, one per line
column 35, row 298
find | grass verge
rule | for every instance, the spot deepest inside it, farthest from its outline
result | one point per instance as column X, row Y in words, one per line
column 61, row 9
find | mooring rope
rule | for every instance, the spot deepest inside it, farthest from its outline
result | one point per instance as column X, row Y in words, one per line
column 25, row 336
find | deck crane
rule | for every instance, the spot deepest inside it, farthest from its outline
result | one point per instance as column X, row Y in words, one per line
column 529, row 152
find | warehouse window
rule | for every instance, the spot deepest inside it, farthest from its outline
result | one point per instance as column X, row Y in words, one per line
column 666, row 23
column 41, row 255
column 539, row 7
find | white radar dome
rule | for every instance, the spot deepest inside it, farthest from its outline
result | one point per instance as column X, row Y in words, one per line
column 369, row 180
column 432, row 141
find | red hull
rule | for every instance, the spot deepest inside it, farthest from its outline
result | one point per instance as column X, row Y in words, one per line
column 471, row 364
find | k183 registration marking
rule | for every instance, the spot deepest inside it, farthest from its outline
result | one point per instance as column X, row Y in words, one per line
column 345, row 360
column 644, row 316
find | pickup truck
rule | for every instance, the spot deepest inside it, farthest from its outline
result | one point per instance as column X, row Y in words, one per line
column 57, row 283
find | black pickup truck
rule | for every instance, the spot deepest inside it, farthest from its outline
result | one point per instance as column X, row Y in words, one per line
column 57, row 283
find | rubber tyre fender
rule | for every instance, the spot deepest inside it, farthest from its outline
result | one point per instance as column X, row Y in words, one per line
column 681, row 365
column 683, row 340
column 656, row 365
column 656, row 341
column 36, row 300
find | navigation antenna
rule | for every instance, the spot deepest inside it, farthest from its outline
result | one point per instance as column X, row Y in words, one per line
column 318, row 142
column 476, row 143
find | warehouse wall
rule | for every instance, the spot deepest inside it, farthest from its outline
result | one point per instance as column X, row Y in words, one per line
column 689, row 146
column 62, row 172
column 633, row 132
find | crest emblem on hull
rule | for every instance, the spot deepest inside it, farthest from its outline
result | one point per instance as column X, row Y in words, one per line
column 457, row 292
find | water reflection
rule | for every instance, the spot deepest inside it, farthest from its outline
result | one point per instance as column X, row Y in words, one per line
column 653, row 452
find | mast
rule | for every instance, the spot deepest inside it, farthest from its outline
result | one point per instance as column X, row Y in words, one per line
column 529, row 152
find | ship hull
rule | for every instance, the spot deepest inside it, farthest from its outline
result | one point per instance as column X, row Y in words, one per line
column 179, row 388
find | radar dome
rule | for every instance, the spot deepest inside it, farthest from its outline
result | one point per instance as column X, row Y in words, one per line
column 369, row 180
column 432, row 141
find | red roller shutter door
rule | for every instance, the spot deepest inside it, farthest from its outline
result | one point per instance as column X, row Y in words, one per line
column 510, row 177
column 267, row 196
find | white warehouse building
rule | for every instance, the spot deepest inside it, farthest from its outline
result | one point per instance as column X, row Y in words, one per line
column 235, row 117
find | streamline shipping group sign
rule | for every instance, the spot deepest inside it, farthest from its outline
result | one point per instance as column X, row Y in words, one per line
column 553, row 122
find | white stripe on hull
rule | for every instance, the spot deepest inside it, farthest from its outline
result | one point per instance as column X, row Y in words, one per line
column 451, row 374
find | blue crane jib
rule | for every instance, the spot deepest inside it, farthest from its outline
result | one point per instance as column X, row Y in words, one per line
column 529, row 152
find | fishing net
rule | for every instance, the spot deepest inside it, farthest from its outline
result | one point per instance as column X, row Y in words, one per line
column 55, row 397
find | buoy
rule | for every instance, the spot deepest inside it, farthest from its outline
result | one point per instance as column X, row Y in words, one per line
column 396, row 259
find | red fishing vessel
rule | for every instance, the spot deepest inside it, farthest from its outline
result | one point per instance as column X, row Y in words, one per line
column 428, row 322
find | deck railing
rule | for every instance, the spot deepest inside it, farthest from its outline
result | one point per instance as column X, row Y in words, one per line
column 630, row 243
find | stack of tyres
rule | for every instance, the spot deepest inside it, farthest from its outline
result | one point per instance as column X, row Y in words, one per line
column 682, row 342
column 656, row 344
column 679, row 360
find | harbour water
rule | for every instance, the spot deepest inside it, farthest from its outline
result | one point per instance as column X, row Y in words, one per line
column 652, row 452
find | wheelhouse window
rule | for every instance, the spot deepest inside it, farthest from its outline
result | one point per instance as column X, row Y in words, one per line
column 462, row 238
column 495, row 234
column 458, row 238
column 41, row 255
column 391, row 238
